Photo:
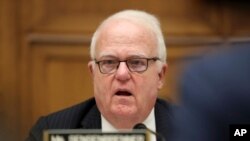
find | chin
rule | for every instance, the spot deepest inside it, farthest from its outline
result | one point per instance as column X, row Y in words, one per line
column 122, row 110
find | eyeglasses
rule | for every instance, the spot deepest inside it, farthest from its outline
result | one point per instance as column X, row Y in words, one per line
column 109, row 66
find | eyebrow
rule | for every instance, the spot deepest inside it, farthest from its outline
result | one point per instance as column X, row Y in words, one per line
column 112, row 55
column 108, row 56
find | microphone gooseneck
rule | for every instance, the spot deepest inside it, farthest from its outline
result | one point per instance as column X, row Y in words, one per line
column 143, row 126
column 140, row 126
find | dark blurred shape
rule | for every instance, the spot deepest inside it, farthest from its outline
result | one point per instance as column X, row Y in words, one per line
column 140, row 126
column 232, row 4
column 215, row 93
column 227, row 2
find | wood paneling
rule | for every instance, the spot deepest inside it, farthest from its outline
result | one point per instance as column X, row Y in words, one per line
column 59, row 77
column 179, row 17
column 9, row 96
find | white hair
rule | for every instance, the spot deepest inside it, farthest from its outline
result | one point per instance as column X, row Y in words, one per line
column 144, row 19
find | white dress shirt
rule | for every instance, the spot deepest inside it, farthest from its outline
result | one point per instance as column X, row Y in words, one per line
column 149, row 122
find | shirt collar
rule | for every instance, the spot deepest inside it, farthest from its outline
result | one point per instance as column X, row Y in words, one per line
column 149, row 122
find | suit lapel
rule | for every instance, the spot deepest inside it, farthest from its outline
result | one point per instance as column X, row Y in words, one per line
column 92, row 119
column 162, row 118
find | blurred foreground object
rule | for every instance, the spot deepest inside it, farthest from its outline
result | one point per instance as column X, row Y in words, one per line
column 215, row 93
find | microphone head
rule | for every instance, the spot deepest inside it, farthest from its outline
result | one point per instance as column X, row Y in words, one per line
column 143, row 126
column 140, row 126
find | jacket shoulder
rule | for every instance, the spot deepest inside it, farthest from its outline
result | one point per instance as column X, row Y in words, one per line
column 161, row 103
column 70, row 117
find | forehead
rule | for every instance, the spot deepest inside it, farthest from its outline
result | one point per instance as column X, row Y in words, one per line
column 124, row 38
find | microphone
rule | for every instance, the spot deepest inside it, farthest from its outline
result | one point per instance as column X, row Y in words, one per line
column 143, row 126
column 140, row 126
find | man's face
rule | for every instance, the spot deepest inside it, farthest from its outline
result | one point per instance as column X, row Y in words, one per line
column 124, row 94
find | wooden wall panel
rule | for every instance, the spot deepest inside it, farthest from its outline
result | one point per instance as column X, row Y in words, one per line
column 240, row 21
column 179, row 17
column 68, row 83
column 60, row 77
column 9, row 69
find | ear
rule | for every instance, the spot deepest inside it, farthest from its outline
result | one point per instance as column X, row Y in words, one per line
column 162, row 75
column 91, row 67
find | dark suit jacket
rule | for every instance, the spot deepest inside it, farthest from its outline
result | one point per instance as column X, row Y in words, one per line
column 215, row 93
column 87, row 116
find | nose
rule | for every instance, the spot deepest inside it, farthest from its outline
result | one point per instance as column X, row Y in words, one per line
column 122, row 72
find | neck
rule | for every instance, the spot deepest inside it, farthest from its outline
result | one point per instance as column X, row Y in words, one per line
column 127, row 123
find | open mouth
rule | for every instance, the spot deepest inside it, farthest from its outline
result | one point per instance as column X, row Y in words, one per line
column 123, row 93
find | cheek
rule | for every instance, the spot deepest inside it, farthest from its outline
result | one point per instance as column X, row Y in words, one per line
column 147, row 93
column 99, row 85
column 151, row 80
column 148, row 86
column 102, row 87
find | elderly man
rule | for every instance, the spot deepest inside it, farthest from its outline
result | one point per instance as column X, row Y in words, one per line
column 128, row 68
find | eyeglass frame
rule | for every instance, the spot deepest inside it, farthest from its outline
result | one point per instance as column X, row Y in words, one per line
column 126, row 62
